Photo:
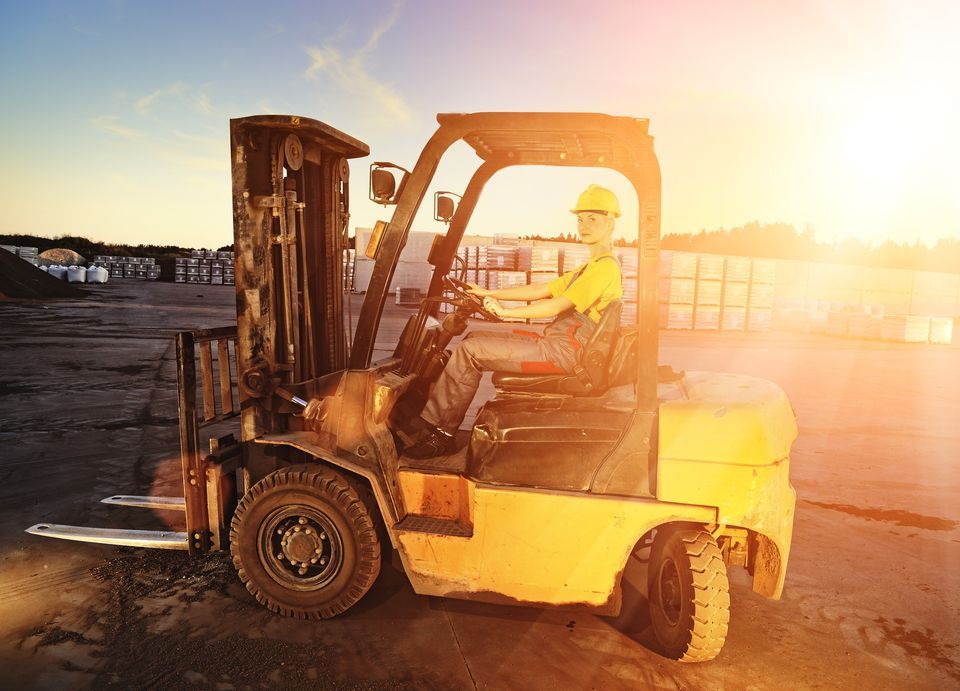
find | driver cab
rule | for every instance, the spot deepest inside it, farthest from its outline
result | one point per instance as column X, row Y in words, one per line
column 575, row 420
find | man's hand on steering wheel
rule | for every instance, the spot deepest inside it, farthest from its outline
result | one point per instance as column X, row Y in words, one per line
column 493, row 306
column 464, row 291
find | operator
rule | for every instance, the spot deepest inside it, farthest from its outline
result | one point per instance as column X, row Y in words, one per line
column 576, row 300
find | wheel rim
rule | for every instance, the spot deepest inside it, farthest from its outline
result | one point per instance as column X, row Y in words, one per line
column 300, row 547
column 668, row 590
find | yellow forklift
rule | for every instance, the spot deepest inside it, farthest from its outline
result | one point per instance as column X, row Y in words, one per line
column 564, row 477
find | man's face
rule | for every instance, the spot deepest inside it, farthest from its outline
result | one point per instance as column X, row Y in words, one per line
column 594, row 227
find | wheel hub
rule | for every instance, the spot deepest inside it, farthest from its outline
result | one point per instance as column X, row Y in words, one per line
column 669, row 586
column 300, row 547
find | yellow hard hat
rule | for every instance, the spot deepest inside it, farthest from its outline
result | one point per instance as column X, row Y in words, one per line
column 600, row 199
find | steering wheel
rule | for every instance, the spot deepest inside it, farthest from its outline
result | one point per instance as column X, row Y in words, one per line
column 474, row 302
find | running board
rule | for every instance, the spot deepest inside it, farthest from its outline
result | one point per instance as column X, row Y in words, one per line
column 172, row 503
column 415, row 523
column 154, row 539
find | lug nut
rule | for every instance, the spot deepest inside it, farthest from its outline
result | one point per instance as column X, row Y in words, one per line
column 323, row 536
column 323, row 560
column 302, row 520
column 302, row 571
column 317, row 550
column 279, row 531
column 313, row 561
column 296, row 529
column 307, row 531
column 280, row 556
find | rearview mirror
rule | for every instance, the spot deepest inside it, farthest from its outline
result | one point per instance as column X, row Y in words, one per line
column 383, row 183
column 444, row 206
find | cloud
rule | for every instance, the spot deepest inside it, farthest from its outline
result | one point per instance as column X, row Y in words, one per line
column 146, row 103
column 350, row 74
column 110, row 124
column 203, row 104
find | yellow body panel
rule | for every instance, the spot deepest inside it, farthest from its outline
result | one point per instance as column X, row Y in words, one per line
column 535, row 546
column 724, row 450
column 727, row 444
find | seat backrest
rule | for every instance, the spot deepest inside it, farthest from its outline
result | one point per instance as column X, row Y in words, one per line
column 591, row 373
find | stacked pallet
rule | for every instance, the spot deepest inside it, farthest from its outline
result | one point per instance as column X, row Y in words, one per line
column 941, row 330
column 736, row 290
column 502, row 257
column 206, row 266
column 573, row 256
column 763, row 275
column 906, row 328
column 409, row 297
column 538, row 259
column 678, row 281
column 498, row 280
column 28, row 254
column 708, row 292
column 143, row 268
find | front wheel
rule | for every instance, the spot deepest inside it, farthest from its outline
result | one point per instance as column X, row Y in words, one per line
column 304, row 543
column 689, row 594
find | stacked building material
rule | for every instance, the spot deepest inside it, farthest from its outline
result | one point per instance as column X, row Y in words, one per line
column 907, row 328
column 507, row 279
column 28, row 254
column 627, row 257
column 862, row 324
column 502, row 257
column 941, row 330
column 206, row 266
column 349, row 260
column 573, row 256
column 763, row 274
column 538, row 259
column 708, row 292
column 736, row 289
column 409, row 297
column 143, row 268
column 415, row 275
column 678, row 279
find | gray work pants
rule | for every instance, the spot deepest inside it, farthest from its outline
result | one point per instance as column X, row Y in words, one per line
column 515, row 351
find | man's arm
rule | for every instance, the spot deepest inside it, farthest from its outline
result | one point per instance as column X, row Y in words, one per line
column 538, row 310
column 531, row 291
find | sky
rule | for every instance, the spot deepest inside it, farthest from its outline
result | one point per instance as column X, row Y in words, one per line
column 837, row 116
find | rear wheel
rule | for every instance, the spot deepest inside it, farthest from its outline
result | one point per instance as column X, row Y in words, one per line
column 304, row 543
column 689, row 594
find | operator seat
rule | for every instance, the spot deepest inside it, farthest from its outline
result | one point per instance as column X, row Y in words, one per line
column 590, row 376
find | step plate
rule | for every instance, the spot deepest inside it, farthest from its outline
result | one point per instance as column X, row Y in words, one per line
column 413, row 523
column 153, row 539
column 172, row 503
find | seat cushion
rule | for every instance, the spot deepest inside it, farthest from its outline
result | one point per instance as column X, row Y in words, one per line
column 528, row 383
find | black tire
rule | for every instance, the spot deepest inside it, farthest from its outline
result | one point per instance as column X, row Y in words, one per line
column 304, row 543
column 689, row 594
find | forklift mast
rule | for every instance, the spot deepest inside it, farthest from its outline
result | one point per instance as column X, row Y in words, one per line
column 291, row 212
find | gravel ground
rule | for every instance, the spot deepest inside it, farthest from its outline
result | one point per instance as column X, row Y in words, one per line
column 88, row 403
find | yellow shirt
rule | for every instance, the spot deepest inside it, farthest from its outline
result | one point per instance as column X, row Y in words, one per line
column 595, row 288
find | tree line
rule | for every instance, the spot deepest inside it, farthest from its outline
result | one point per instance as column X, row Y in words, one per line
column 784, row 241
column 90, row 248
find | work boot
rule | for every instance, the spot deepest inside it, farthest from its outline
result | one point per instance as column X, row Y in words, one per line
column 436, row 442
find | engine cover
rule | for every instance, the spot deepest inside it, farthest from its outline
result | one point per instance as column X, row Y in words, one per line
column 549, row 443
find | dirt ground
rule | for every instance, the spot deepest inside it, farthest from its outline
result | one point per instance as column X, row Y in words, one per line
column 88, row 409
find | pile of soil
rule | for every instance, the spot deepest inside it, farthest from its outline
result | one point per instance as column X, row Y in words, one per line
column 22, row 280
column 61, row 256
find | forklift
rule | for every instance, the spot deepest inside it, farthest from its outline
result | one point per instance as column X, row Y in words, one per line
column 564, row 477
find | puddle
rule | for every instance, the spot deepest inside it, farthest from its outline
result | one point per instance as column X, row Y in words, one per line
column 896, row 516
column 920, row 644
